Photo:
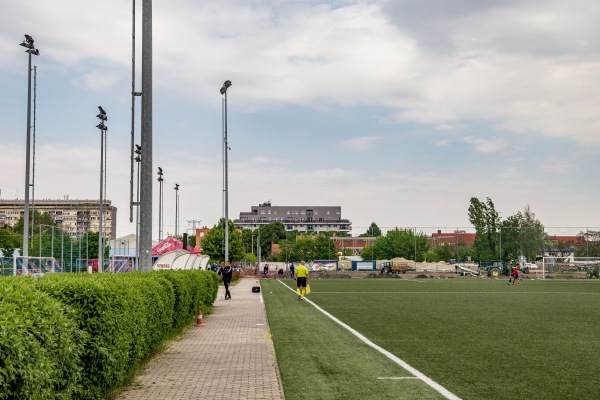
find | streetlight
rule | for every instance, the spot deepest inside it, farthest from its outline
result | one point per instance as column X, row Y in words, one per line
column 137, row 159
column 160, row 202
column 103, row 128
column 176, row 208
column 28, row 44
column 223, row 91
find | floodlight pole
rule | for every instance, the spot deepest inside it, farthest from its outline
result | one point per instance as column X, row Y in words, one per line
column 102, row 116
column 160, row 203
column 137, row 159
column 27, row 43
column 226, row 85
column 176, row 209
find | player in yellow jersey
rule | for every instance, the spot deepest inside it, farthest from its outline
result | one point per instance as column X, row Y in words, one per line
column 302, row 279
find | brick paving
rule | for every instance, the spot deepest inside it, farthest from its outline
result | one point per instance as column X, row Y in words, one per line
column 231, row 357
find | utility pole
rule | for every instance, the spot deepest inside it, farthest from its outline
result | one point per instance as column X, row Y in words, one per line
column 146, row 141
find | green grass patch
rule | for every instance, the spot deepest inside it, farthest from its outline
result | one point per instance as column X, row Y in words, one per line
column 318, row 359
column 477, row 338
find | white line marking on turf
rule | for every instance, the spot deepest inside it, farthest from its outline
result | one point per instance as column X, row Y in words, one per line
column 418, row 374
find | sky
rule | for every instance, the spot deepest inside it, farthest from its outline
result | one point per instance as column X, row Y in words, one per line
column 398, row 111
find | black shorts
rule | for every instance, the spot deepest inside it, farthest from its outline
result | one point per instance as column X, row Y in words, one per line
column 301, row 282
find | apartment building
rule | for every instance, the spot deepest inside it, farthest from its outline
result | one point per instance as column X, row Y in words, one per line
column 74, row 217
column 300, row 218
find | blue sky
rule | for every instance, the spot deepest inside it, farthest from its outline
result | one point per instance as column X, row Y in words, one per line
column 399, row 111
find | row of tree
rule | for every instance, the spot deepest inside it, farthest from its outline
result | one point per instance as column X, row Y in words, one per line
column 49, row 240
column 521, row 234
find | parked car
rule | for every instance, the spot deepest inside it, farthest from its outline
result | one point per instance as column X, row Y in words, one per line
column 529, row 266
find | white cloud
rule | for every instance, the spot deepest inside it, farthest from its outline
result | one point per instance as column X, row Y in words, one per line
column 465, row 81
column 363, row 143
column 484, row 145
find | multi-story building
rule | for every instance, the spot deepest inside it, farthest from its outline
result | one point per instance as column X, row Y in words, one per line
column 456, row 238
column 355, row 244
column 74, row 217
column 300, row 218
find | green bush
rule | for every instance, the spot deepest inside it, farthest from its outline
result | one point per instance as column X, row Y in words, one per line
column 81, row 335
column 40, row 344
column 107, row 310
column 183, row 290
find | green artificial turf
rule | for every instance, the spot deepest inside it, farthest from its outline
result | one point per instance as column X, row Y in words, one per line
column 319, row 360
column 479, row 338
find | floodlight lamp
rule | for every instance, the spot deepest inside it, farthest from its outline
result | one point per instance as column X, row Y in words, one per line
column 101, row 110
column 25, row 44
column 160, row 171
column 100, row 126
column 29, row 38
column 138, row 158
column 225, row 86
column 102, row 117
column 176, row 186
column 138, row 149
column 35, row 52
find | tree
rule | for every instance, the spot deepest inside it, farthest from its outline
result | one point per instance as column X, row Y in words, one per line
column 373, row 231
column 368, row 252
column 270, row 234
column 37, row 218
column 9, row 241
column 398, row 243
column 485, row 219
column 213, row 243
column 509, row 238
column 89, row 242
column 306, row 247
column 588, row 244
column 522, row 235
column 532, row 236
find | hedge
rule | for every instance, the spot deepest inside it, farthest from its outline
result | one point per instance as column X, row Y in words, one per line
column 40, row 344
column 115, row 321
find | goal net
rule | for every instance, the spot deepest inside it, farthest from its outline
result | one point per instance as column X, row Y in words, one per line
column 571, row 267
column 35, row 265
column 120, row 264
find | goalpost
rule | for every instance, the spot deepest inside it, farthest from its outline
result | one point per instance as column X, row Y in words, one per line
column 35, row 265
column 121, row 264
column 571, row 267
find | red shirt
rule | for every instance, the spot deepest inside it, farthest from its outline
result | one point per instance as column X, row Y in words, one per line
column 516, row 270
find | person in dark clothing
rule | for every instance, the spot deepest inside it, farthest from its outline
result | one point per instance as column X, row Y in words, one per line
column 227, row 275
column 292, row 268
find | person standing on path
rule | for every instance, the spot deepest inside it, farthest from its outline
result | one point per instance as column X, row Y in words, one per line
column 302, row 279
column 227, row 276
column 292, row 268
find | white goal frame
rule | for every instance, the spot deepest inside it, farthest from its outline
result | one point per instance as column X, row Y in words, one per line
column 569, row 266
column 120, row 263
column 35, row 266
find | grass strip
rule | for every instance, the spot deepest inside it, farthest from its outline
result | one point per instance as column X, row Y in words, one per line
column 318, row 359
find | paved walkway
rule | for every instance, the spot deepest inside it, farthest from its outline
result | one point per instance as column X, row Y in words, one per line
column 231, row 357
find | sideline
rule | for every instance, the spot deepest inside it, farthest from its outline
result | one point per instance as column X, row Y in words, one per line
column 430, row 382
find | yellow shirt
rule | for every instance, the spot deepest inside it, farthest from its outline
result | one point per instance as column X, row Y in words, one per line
column 302, row 271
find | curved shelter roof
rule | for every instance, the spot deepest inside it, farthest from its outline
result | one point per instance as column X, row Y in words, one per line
column 181, row 259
